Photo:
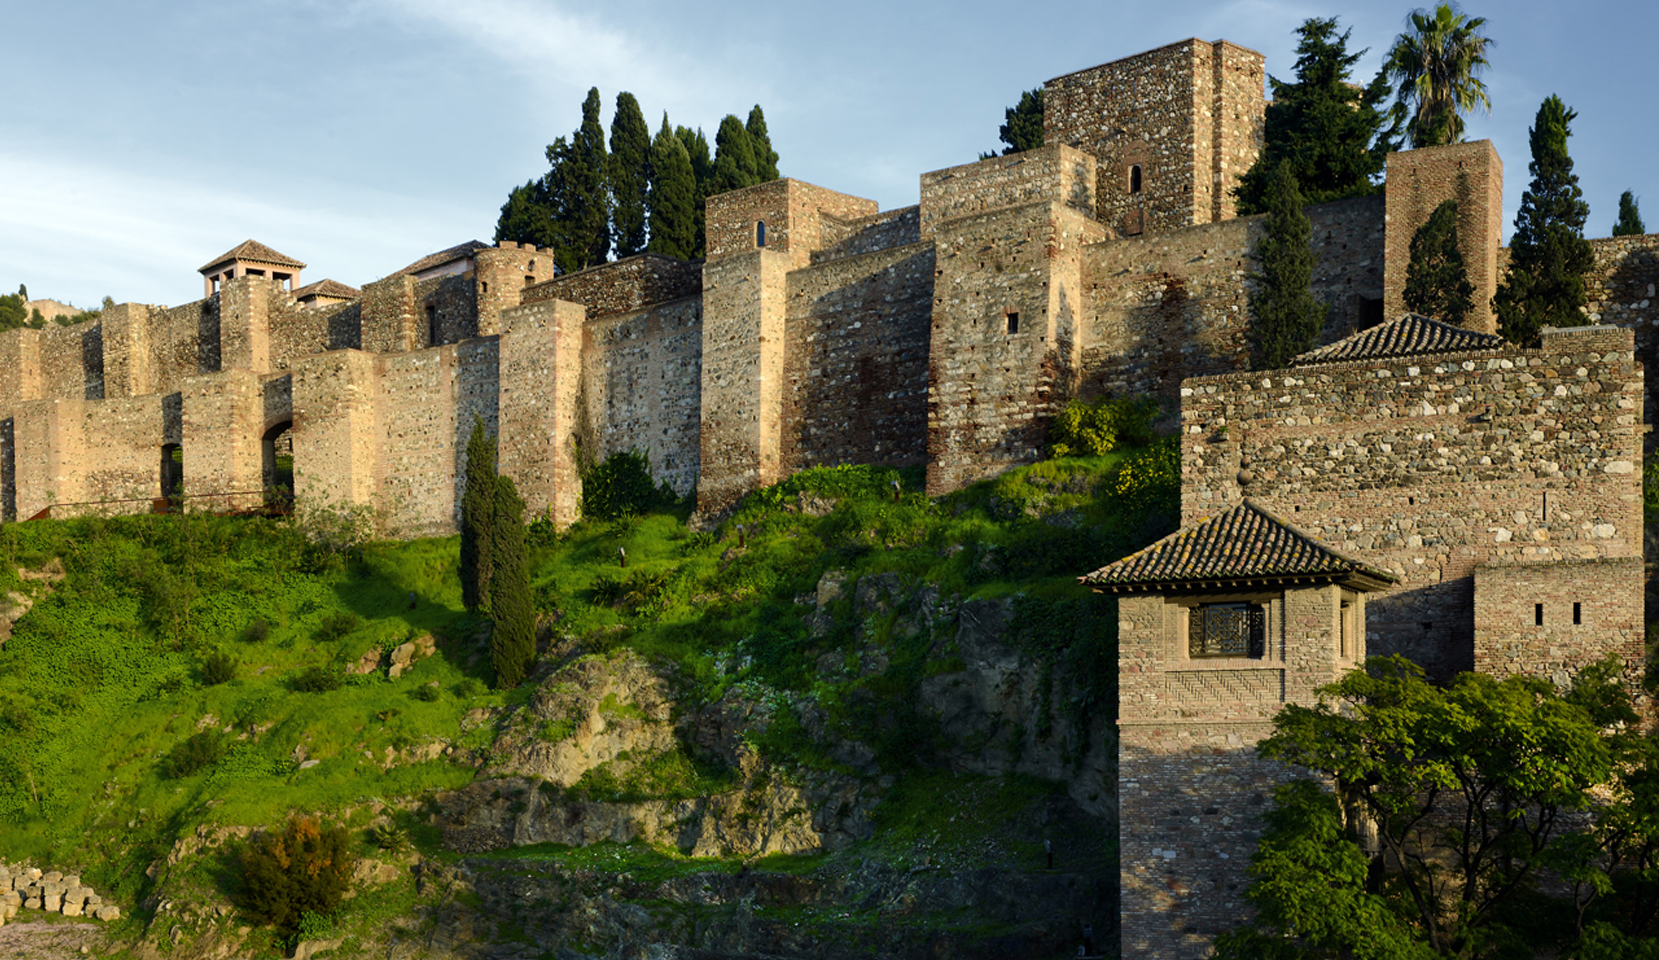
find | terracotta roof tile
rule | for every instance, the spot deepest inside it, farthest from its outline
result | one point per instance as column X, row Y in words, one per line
column 1406, row 336
column 1244, row 544
column 251, row 250
column 327, row 288
column 443, row 256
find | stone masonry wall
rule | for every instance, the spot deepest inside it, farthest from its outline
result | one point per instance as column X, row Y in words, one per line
column 792, row 211
column 744, row 298
column 1189, row 114
column 425, row 402
column 448, row 309
column 856, row 349
column 538, row 415
column 1418, row 181
column 623, row 286
column 1620, row 290
column 878, row 231
column 641, row 374
column 1430, row 466
column 1051, row 173
column 1551, row 619
column 1174, row 305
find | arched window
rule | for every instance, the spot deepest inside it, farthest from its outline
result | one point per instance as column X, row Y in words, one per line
column 760, row 233
column 1134, row 178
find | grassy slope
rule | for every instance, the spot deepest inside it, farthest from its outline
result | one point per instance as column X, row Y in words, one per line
column 103, row 679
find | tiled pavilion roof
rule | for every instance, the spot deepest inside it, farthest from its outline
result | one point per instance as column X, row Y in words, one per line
column 1407, row 336
column 255, row 251
column 1245, row 545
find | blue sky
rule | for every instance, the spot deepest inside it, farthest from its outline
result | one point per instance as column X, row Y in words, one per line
column 141, row 138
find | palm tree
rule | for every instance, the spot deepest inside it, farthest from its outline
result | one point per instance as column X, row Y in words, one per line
column 1433, row 67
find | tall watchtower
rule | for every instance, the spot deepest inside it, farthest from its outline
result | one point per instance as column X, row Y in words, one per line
column 1172, row 130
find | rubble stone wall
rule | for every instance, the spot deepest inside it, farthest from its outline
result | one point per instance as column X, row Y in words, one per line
column 641, row 374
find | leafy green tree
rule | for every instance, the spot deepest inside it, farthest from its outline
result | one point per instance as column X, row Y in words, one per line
column 734, row 158
column 1548, row 255
column 1630, row 218
column 527, row 216
column 305, row 868
column 512, row 612
column 1331, row 134
column 1285, row 318
column 1467, row 796
column 630, row 175
column 673, row 196
column 1434, row 67
column 13, row 314
column 1022, row 127
column 766, row 159
column 478, row 519
column 1437, row 283
column 702, row 174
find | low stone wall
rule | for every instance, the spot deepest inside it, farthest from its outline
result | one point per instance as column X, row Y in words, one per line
column 29, row 888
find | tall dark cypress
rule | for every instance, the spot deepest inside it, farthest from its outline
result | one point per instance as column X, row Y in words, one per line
column 630, row 175
column 1437, row 283
column 734, row 158
column 766, row 159
column 478, row 519
column 512, row 613
column 527, row 216
column 1630, row 217
column 673, row 197
column 1548, row 255
column 581, row 192
column 1285, row 319
column 702, row 172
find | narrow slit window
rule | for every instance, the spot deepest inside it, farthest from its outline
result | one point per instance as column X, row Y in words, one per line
column 1134, row 178
column 1578, row 614
column 760, row 233
column 1013, row 322
column 431, row 325
column 1537, row 614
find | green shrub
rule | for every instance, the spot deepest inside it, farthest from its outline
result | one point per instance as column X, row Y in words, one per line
column 1086, row 429
column 195, row 754
column 389, row 836
column 1151, row 479
column 316, row 679
column 427, row 693
column 257, row 631
column 621, row 485
column 305, row 868
column 219, row 667
column 337, row 625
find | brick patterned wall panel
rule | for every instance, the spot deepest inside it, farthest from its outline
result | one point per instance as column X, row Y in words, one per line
column 1225, row 685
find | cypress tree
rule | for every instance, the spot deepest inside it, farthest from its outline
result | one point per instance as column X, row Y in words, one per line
column 673, row 197
column 1286, row 320
column 478, row 519
column 1630, row 218
column 766, row 159
column 513, row 639
column 702, row 173
column 581, row 193
column 734, row 158
column 527, row 216
column 1022, row 127
column 1548, row 255
column 630, row 175
column 1437, row 284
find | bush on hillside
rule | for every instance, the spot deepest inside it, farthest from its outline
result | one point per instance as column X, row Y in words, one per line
column 1085, row 429
column 317, row 679
column 304, row 868
column 337, row 625
column 621, row 485
column 194, row 755
column 219, row 667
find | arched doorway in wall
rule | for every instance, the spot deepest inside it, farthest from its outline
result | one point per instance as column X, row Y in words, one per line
column 172, row 476
column 277, row 451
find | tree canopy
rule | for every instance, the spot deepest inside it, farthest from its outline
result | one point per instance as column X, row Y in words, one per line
column 1548, row 255
column 1333, row 136
column 1437, row 282
column 1455, row 811
column 1630, row 218
column 1022, row 126
column 630, row 176
column 1285, row 319
column 673, row 197
column 1435, row 67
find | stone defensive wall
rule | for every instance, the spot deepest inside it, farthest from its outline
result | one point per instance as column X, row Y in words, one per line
column 1438, row 468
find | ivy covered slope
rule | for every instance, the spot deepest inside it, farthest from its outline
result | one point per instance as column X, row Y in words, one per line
column 847, row 684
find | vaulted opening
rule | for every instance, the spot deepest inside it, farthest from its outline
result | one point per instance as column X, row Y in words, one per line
column 277, row 449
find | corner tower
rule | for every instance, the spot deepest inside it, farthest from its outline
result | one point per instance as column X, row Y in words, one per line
column 1173, row 129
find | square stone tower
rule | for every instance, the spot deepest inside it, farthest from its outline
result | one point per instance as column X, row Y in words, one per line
column 1173, row 129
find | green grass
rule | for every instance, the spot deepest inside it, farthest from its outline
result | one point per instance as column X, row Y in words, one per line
column 105, row 676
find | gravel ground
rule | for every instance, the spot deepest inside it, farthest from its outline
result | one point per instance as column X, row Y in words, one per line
column 36, row 940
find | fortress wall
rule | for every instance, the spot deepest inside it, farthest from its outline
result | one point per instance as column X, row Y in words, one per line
column 72, row 361
column 223, row 420
column 126, row 344
column 744, row 299
column 245, row 320
column 540, row 388
column 624, row 286
column 446, row 309
column 503, row 275
column 1185, row 113
column 49, row 445
column 1052, row 173
column 1175, row 305
column 879, row 231
column 641, row 373
column 20, row 378
column 1006, row 284
column 336, row 433
column 1589, row 608
column 182, row 341
column 1390, row 460
column 1623, row 289
column 391, row 320
column 298, row 330
column 1418, row 181
column 792, row 211
column 425, row 401
column 856, row 354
